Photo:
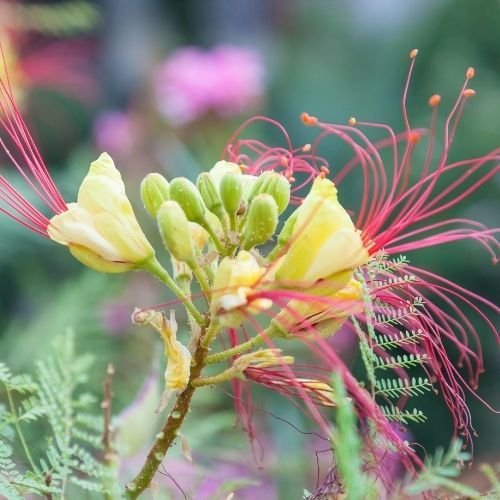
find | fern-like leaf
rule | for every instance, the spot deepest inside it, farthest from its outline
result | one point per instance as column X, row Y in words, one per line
column 399, row 361
column 394, row 414
column 397, row 387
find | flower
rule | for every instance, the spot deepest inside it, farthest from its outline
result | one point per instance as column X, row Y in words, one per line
column 114, row 131
column 100, row 230
column 178, row 355
column 399, row 211
column 323, row 241
column 233, row 288
column 192, row 82
column 321, row 309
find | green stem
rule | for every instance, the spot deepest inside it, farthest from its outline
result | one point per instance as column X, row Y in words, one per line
column 225, row 376
column 217, row 242
column 20, row 432
column 269, row 333
column 213, row 329
column 155, row 268
column 202, row 279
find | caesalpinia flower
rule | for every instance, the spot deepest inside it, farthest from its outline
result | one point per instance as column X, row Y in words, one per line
column 100, row 230
column 396, row 214
column 322, row 241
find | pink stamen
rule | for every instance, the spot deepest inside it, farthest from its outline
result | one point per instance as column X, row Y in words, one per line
column 30, row 166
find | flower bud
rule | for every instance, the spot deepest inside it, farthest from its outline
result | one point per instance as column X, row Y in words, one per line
column 175, row 231
column 155, row 189
column 210, row 193
column 101, row 230
column 222, row 168
column 284, row 236
column 276, row 185
column 231, row 192
column 184, row 192
column 261, row 221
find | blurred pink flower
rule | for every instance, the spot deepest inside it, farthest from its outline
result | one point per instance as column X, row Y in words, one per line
column 114, row 132
column 191, row 82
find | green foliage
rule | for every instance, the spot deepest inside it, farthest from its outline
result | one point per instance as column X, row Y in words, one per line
column 394, row 414
column 72, row 451
column 439, row 471
column 374, row 345
column 347, row 447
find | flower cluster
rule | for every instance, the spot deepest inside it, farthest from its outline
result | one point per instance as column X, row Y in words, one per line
column 323, row 270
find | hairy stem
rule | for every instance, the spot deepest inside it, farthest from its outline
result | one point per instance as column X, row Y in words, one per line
column 267, row 334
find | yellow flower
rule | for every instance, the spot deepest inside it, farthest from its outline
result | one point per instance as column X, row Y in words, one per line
column 178, row 356
column 323, row 241
column 101, row 230
column 323, row 310
column 234, row 282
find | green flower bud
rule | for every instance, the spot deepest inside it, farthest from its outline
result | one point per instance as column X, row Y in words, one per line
column 155, row 189
column 231, row 192
column 184, row 192
column 209, row 193
column 284, row 236
column 276, row 185
column 261, row 221
column 175, row 231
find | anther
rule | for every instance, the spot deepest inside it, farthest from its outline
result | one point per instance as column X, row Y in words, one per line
column 434, row 100
column 243, row 168
column 284, row 161
column 308, row 120
column 352, row 121
column 414, row 137
column 324, row 169
column 470, row 73
column 469, row 92
column 306, row 148
column 413, row 53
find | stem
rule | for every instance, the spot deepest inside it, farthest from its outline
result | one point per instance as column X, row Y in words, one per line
column 269, row 333
column 324, row 329
column 20, row 432
column 213, row 329
column 170, row 430
column 202, row 279
column 155, row 268
column 217, row 242
column 225, row 376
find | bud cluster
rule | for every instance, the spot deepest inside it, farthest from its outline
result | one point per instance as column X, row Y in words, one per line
column 212, row 229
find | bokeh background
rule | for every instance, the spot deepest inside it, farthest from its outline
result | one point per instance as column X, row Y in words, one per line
column 124, row 76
